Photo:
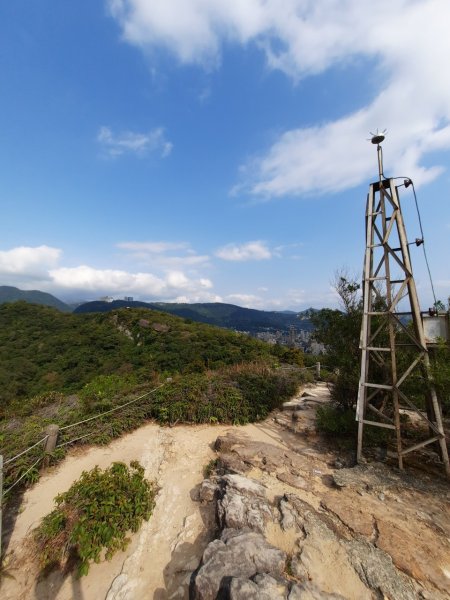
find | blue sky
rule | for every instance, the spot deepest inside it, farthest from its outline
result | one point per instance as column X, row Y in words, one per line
column 193, row 150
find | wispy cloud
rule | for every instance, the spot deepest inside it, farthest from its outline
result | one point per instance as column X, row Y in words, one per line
column 165, row 255
column 256, row 250
column 129, row 142
column 307, row 38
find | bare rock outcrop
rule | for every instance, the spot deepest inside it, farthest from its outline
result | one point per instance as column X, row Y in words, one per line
column 237, row 554
column 242, row 504
column 305, row 530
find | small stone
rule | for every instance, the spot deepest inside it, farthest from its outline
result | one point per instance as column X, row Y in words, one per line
column 207, row 491
column 339, row 464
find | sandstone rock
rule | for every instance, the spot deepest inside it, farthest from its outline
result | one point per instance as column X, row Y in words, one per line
column 263, row 587
column 288, row 520
column 355, row 515
column 346, row 549
column 224, row 443
column 377, row 571
column 208, row 490
column 243, row 504
column 231, row 463
column 240, row 554
column 293, row 480
column 244, row 589
column 308, row 591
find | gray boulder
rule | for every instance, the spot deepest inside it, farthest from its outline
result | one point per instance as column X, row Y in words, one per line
column 237, row 554
column 243, row 504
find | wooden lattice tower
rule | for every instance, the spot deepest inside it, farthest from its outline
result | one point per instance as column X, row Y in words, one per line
column 392, row 319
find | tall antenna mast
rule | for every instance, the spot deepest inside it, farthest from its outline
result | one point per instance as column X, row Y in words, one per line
column 393, row 345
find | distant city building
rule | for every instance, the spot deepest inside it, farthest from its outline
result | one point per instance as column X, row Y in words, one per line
column 128, row 298
column 292, row 335
column 316, row 348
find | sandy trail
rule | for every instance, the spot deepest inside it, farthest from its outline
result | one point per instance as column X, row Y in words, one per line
column 408, row 522
column 162, row 555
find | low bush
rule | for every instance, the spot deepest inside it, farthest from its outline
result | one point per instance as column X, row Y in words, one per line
column 335, row 421
column 94, row 515
column 237, row 394
column 340, row 424
column 97, row 395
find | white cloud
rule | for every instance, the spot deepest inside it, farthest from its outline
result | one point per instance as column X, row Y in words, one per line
column 118, row 282
column 153, row 247
column 25, row 261
column 161, row 254
column 408, row 39
column 245, row 300
column 39, row 267
column 129, row 142
column 202, row 297
column 256, row 250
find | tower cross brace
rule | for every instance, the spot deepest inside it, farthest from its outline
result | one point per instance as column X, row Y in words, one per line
column 392, row 350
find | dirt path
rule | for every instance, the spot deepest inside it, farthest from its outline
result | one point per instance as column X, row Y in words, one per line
column 165, row 551
column 175, row 458
column 373, row 507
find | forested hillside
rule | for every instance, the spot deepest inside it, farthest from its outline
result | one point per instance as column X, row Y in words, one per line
column 63, row 368
column 215, row 313
column 9, row 293
column 42, row 349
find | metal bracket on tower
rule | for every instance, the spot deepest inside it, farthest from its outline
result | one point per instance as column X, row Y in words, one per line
column 393, row 345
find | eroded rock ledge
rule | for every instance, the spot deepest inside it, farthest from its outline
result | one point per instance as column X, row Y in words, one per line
column 287, row 530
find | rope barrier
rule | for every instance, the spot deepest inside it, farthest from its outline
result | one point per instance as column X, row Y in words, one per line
column 78, row 438
column 111, row 410
column 44, row 439
column 23, row 475
column 66, row 427
column 25, row 451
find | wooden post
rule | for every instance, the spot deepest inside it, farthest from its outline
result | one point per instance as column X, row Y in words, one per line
column 52, row 432
column 318, row 370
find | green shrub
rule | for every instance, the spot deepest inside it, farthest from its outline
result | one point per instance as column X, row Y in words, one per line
column 335, row 421
column 236, row 394
column 440, row 369
column 45, row 399
column 96, row 395
column 95, row 514
column 340, row 423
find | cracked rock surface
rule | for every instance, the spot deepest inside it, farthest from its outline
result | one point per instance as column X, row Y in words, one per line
column 294, row 521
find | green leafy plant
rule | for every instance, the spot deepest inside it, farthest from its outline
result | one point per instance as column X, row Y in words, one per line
column 95, row 515
column 335, row 421
column 96, row 395
column 440, row 370
column 210, row 468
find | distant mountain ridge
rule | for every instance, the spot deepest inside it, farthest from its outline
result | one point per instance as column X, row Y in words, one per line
column 219, row 314
column 12, row 294
column 215, row 313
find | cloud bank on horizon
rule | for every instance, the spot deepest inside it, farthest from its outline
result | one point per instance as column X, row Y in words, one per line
column 407, row 39
column 28, row 267
column 174, row 278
